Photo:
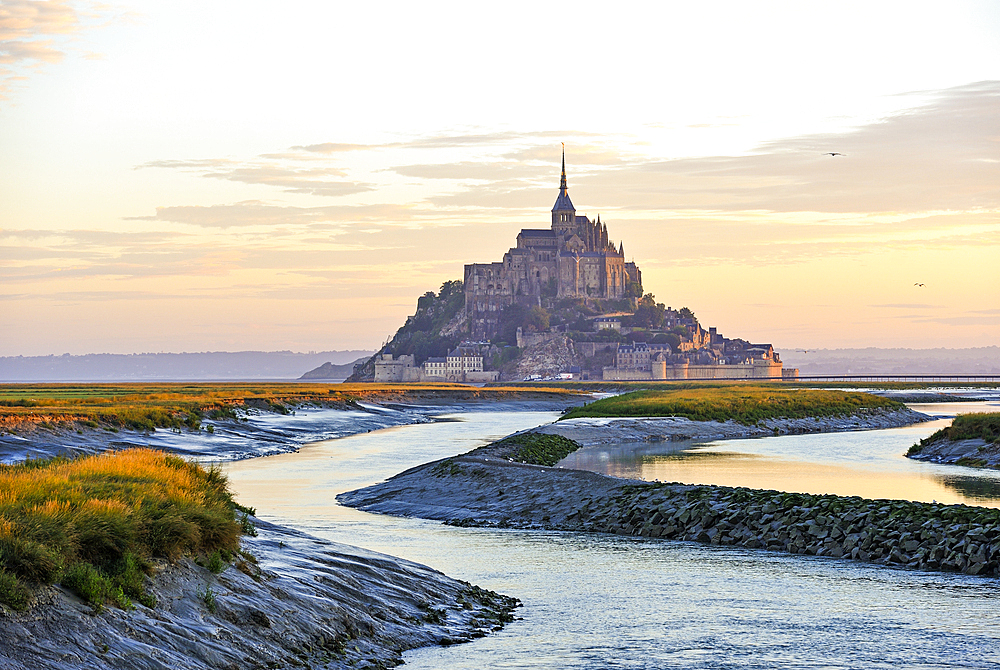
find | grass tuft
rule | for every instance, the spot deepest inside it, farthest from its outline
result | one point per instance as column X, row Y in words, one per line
column 93, row 523
column 985, row 426
column 12, row 592
column 540, row 449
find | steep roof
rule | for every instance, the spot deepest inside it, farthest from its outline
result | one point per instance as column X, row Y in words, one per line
column 563, row 202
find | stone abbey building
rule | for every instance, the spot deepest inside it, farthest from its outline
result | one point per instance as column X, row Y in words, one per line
column 572, row 259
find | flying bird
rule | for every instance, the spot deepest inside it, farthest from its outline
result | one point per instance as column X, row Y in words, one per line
column 833, row 153
column 918, row 284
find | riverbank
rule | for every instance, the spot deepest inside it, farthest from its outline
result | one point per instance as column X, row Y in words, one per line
column 594, row 431
column 306, row 602
column 971, row 440
column 257, row 428
column 486, row 487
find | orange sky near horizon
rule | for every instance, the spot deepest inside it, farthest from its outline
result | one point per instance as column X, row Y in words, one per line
column 242, row 176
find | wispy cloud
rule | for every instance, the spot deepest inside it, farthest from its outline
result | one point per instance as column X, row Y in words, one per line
column 941, row 156
column 35, row 33
column 907, row 306
column 309, row 180
column 250, row 213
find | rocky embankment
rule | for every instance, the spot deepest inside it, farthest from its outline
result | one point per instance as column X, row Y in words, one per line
column 594, row 431
column 305, row 603
column 486, row 488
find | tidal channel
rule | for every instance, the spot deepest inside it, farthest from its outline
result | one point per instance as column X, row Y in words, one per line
column 599, row 601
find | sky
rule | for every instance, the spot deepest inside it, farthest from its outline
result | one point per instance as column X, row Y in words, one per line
column 229, row 176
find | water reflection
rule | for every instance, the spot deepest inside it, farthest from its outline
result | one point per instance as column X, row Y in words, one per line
column 870, row 464
column 595, row 601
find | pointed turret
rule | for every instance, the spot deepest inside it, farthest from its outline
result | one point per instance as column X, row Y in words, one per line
column 621, row 249
column 563, row 212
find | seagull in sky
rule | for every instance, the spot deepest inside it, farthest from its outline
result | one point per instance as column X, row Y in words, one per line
column 918, row 284
column 833, row 153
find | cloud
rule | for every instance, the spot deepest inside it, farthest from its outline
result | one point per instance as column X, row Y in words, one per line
column 477, row 170
column 453, row 141
column 34, row 33
column 258, row 213
column 939, row 156
column 46, row 256
column 942, row 156
column 26, row 19
column 323, row 181
column 966, row 320
column 329, row 148
column 907, row 306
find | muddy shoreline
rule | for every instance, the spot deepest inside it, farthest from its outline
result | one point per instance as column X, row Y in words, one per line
column 259, row 431
column 974, row 453
column 307, row 601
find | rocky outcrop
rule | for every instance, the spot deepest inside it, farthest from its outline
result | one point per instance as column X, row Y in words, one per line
column 546, row 358
column 975, row 453
column 307, row 603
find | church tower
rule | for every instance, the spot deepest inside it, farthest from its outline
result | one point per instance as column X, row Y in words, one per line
column 563, row 212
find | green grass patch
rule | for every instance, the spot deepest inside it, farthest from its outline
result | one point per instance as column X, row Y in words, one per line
column 540, row 449
column 985, row 426
column 741, row 403
column 93, row 523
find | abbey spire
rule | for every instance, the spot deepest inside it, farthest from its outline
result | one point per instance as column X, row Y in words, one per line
column 562, row 180
column 572, row 259
column 563, row 212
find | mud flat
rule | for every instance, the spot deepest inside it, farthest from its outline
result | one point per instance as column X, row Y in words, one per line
column 594, row 431
column 258, row 430
column 307, row 602
column 489, row 487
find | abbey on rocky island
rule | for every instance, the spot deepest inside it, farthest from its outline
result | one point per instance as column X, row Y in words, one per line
column 572, row 259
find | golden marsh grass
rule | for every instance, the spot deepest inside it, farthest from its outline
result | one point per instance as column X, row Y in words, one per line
column 151, row 406
column 92, row 523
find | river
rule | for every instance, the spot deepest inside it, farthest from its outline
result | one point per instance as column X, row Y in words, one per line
column 596, row 601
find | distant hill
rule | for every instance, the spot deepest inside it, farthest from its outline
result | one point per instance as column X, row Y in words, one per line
column 215, row 365
column 333, row 372
column 978, row 360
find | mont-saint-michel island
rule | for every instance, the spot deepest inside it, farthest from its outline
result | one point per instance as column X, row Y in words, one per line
column 441, row 509
column 632, row 337
column 564, row 303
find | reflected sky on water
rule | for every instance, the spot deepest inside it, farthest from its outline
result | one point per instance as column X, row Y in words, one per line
column 870, row 464
column 596, row 601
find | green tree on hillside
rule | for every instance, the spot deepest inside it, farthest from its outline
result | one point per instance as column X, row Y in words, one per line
column 686, row 313
column 532, row 319
column 648, row 313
